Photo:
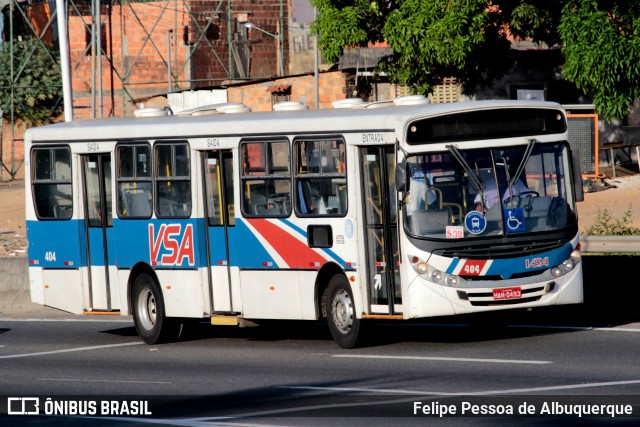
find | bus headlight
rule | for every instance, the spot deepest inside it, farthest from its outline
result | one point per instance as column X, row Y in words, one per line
column 422, row 268
column 436, row 276
column 431, row 273
column 568, row 264
column 452, row 280
column 575, row 256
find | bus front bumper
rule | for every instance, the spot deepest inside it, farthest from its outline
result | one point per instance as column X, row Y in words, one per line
column 427, row 299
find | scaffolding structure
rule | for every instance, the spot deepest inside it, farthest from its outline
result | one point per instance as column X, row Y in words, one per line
column 125, row 52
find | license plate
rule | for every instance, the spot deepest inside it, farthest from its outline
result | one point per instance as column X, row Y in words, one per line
column 507, row 293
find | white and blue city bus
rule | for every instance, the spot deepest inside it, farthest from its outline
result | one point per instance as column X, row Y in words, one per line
column 350, row 214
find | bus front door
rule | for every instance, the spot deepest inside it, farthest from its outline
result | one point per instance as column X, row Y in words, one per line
column 96, row 177
column 381, row 229
column 222, row 251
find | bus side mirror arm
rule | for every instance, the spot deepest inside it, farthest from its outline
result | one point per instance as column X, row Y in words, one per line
column 577, row 176
column 401, row 169
column 401, row 177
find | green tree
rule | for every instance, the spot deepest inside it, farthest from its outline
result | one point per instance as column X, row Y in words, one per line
column 35, row 86
column 430, row 40
column 601, row 46
column 469, row 39
column 537, row 20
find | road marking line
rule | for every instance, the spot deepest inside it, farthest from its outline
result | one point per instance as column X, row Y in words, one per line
column 187, row 422
column 472, row 393
column 445, row 325
column 415, row 393
column 86, row 320
column 576, row 328
column 104, row 381
column 69, row 350
column 560, row 387
column 569, row 328
column 370, row 390
column 446, row 359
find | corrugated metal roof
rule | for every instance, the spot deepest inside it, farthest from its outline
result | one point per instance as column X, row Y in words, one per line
column 365, row 58
column 279, row 87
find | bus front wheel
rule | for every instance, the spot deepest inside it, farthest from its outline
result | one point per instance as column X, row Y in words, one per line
column 148, row 312
column 346, row 329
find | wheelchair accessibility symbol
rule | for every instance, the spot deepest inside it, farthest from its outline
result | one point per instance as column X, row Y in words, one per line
column 514, row 220
column 475, row 222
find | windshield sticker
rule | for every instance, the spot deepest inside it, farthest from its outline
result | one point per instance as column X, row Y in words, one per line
column 514, row 220
column 455, row 232
column 475, row 222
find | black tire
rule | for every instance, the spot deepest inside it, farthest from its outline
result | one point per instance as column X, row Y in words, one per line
column 148, row 312
column 346, row 329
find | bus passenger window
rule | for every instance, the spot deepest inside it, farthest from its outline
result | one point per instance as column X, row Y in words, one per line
column 266, row 183
column 173, row 180
column 52, row 182
column 134, row 199
column 320, row 178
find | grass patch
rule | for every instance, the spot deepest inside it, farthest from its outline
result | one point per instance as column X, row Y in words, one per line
column 606, row 225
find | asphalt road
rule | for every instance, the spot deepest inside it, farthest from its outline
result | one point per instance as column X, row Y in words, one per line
column 291, row 373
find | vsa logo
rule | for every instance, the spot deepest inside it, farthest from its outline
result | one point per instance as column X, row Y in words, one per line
column 537, row 262
column 172, row 245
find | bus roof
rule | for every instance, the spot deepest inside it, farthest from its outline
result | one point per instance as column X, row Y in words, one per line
column 392, row 118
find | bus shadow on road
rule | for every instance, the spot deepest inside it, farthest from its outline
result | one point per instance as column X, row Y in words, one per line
column 128, row 331
column 611, row 291
column 612, row 298
column 266, row 331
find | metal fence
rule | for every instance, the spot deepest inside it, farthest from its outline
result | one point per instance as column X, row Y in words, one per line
column 610, row 244
column 583, row 137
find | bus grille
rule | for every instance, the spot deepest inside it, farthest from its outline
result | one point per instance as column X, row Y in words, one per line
column 504, row 302
column 485, row 299
column 497, row 250
column 522, row 275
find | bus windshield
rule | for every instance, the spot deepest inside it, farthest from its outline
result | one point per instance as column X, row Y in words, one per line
column 470, row 194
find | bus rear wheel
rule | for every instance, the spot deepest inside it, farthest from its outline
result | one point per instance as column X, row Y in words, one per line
column 148, row 312
column 346, row 329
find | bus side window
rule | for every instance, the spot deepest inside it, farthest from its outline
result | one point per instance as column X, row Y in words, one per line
column 52, row 182
column 134, row 181
column 173, row 180
column 321, row 180
column 308, row 198
column 266, row 185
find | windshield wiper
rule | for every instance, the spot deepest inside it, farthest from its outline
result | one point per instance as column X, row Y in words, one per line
column 523, row 162
column 474, row 176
